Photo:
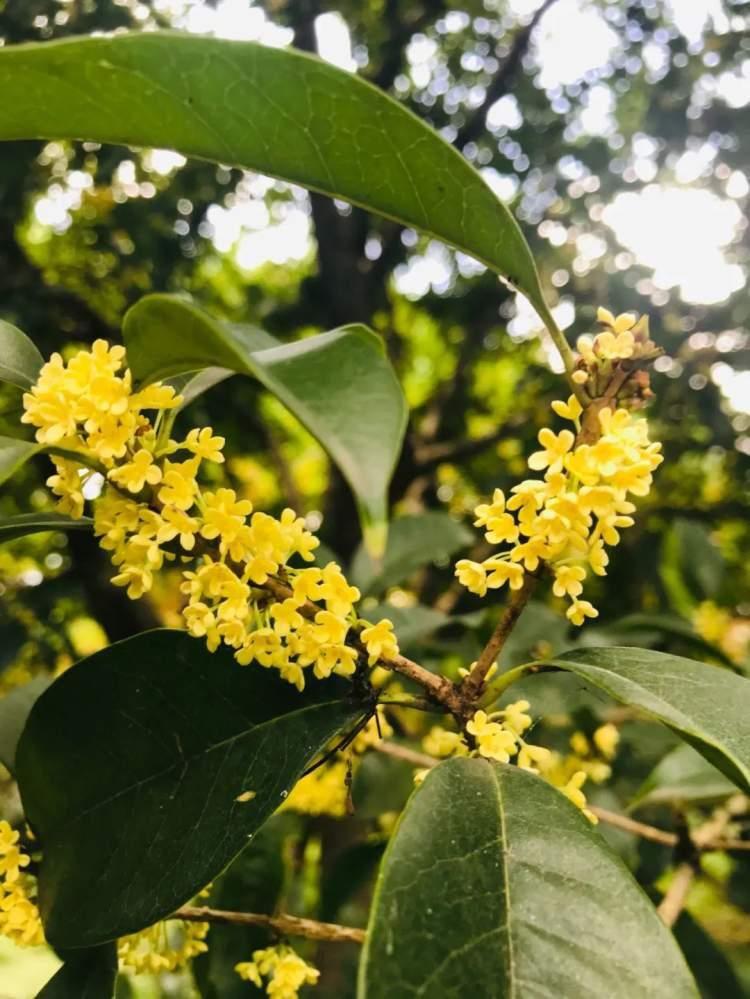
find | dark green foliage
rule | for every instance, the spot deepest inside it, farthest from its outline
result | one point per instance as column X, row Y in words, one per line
column 164, row 738
column 494, row 885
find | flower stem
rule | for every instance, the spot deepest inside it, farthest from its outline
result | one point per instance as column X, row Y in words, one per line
column 292, row 926
column 471, row 688
column 566, row 352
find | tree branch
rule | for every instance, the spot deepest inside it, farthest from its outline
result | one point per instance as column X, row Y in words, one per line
column 293, row 926
column 673, row 902
column 501, row 82
column 412, row 756
column 438, row 687
column 473, row 685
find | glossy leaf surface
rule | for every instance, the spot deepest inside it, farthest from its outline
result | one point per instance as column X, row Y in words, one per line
column 682, row 776
column 274, row 110
column 34, row 523
column 164, row 738
column 20, row 361
column 14, row 454
column 494, row 885
column 707, row 706
column 340, row 384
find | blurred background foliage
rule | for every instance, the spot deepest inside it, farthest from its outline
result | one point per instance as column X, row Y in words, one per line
column 617, row 131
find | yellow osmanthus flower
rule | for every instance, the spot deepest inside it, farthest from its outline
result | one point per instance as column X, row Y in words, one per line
column 499, row 736
column 380, row 641
column 590, row 757
column 19, row 915
column 718, row 626
column 284, row 970
column 165, row 946
column 153, row 511
column 566, row 519
column 322, row 792
column 572, row 791
column 493, row 740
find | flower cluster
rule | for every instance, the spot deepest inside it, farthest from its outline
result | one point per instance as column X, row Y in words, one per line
column 589, row 759
column 153, row 510
column 155, row 949
column 285, row 971
column 622, row 339
column 499, row 736
column 19, row 915
column 718, row 626
column 568, row 517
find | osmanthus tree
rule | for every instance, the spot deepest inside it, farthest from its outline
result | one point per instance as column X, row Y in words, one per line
column 154, row 768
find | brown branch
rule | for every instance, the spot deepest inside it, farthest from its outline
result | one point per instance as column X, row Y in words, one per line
column 502, row 81
column 472, row 686
column 438, row 687
column 293, row 926
column 398, row 752
column 673, row 902
column 703, row 838
column 637, row 828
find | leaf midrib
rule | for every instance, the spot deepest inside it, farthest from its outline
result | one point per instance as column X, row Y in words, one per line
column 503, row 841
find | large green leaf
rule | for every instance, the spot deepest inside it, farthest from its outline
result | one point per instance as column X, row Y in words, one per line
column 164, row 739
column 706, row 705
column 494, row 885
column 682, row 776
column 278, row 111
column 35, row 523
column 13, row 454
column 252, row 883
column 85, row 974
column 652, row 629
column 15, row 707
column 713, row 971
column 20, row 361
column 413, row 542
column 340, row 384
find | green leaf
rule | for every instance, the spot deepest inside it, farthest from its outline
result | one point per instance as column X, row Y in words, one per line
column 163, row 738
column 691, row 566
column 252, row 883
column 494, row 885
column 20, row 361
column 340, row 384
column 35, row 523
column 713, row 972
column 647, row 627
column 85, row 974
column 14, row 710
column 351, row 870
column 277, row 111
column 14, row 454
column 412, row 543
column 682, row 776
column 706, row 705
column 381, row 784
column 166, row 335
column 191, row 385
